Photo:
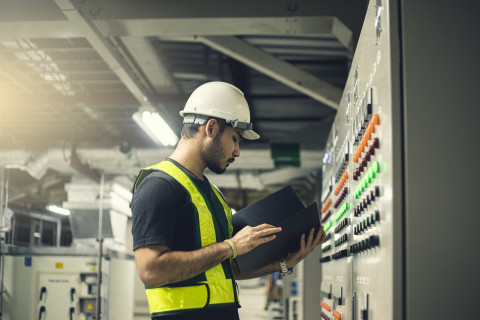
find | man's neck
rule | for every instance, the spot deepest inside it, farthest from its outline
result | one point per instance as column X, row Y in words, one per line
column 187, row 156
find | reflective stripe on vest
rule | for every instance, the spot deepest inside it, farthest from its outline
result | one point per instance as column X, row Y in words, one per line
column 217, row 290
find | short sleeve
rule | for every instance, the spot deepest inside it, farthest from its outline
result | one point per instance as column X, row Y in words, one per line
column 154, row 204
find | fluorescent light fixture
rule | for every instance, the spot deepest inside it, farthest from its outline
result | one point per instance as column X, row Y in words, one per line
column 154, row 126
column 58, row 210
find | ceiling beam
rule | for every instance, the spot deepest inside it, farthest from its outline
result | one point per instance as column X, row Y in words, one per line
column 178, row 27
column 81, row 19
column 278, row 69
column 219, row 26
column 148, row 60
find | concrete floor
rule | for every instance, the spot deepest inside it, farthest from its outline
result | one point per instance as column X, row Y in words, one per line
column 252, row 300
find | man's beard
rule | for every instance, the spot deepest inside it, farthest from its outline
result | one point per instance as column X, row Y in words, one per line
column 212, row 155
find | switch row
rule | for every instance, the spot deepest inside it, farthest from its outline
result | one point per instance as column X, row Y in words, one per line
column 326, row 248
column 340, row 254
column 326, row 216
column 365, row 244
column 341, row 240
column 368, row 154
column 341, row 197
column 327, row 204
column 325, row 259
column 366, row 137
column 369, row 199
column 327, row 226
column 324, row 316
column 341, row 183
column 367, row 179
column 363, row 117
column 345, row 222
column 369, row 221
column 328, row 237
column 342, row 167
column 342, row 211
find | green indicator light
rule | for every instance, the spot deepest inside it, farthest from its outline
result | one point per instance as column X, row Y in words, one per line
column 364, row 184
column 327, row 226
column 338, row 215
column 367, row 178
column 371, row 173
column 376, row 166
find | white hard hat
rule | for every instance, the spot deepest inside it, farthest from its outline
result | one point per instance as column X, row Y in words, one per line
column 220, row 100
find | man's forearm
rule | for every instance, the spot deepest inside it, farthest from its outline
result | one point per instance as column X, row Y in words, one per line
column 176, row 266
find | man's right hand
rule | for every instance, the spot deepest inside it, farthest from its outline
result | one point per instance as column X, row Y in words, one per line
column 249, row 238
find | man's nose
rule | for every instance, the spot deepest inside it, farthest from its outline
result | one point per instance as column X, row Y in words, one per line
column 236, row 151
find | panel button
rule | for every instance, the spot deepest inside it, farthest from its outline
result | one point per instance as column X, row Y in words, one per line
column 374, row 241
column 325, row 306
column 364, row 315
column 337, row 315
column 340, row 254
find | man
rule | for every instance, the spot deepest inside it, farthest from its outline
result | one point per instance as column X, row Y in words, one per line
column 182, row 231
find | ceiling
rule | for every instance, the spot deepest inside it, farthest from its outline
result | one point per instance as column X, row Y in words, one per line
column 73, row 73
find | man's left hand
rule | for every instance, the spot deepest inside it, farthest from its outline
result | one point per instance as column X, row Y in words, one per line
column 306, row 247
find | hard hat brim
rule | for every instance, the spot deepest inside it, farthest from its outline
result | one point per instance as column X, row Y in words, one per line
column 250, row 135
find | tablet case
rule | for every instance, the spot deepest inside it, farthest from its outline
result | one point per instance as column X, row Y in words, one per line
column 282, row 209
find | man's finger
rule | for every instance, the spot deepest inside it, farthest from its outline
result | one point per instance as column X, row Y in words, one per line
column 269, row 231
column 263, row 226
column 310, row 237
column 266, row 239
column 302, row 242
column 320, row 236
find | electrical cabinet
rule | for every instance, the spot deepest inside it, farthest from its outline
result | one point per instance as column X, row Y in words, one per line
column 387, row 208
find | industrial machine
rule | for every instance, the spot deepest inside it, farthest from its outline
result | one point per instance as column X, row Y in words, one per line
column 90, row 279
column 62, row 284
column 386, row 210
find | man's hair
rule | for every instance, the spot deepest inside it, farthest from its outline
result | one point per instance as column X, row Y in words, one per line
column 189, row 130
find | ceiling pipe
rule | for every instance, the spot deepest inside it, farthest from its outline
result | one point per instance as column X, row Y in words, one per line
column 257, row 167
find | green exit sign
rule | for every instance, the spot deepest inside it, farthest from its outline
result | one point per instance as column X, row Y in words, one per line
column 285, row 155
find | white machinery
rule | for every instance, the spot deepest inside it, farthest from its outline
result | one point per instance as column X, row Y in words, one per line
column 61, row 284
column 397, row 165
column 89, row 279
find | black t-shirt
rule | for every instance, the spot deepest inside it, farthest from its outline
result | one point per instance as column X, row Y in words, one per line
column 162, row 213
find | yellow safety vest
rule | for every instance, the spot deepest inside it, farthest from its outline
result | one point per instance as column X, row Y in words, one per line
column 217, row 290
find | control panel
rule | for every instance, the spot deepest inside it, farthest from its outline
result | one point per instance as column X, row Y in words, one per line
column 357, row 185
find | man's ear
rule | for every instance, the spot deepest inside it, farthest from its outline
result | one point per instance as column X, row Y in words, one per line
column 211, row 128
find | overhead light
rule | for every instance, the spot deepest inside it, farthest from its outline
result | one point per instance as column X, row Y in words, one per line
column 154, row 126
column 58, row 210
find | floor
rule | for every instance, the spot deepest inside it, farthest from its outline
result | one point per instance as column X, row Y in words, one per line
column 252, row 300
